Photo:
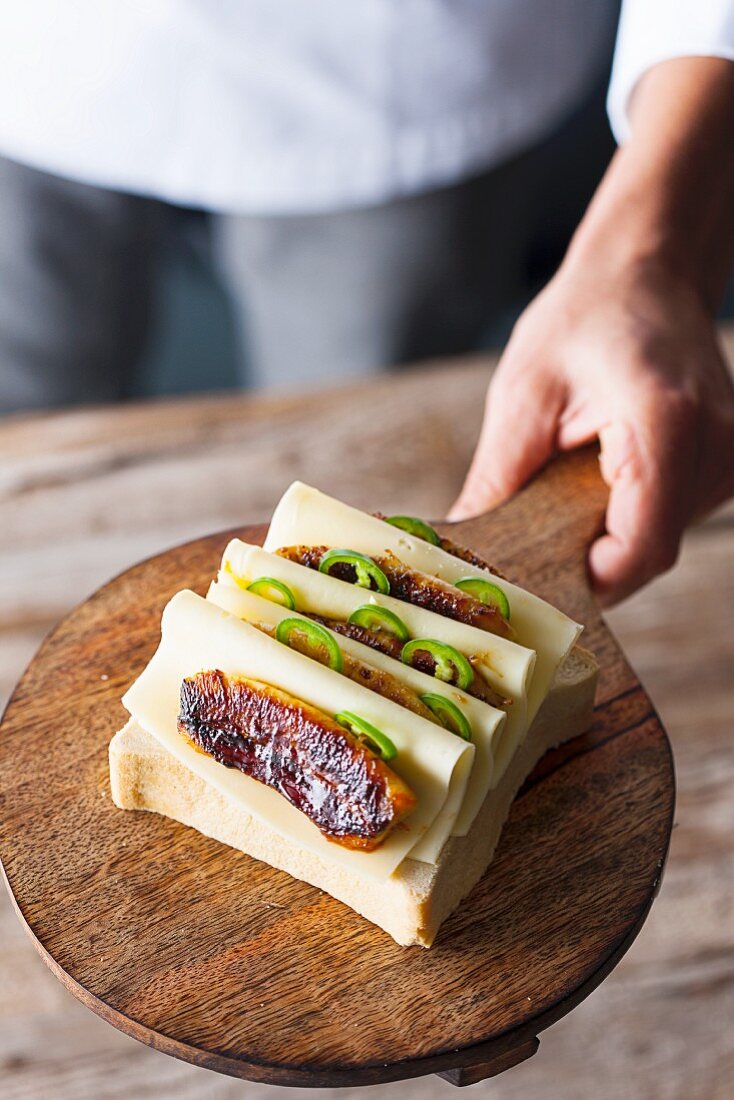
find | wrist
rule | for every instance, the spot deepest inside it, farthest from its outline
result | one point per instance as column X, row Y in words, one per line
column 631, row 228
column 665, row 200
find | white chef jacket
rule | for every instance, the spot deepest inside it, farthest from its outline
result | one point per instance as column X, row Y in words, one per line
column 291, row 106
column 651, row 31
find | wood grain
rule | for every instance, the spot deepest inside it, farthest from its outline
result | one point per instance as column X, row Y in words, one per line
column 135, row 914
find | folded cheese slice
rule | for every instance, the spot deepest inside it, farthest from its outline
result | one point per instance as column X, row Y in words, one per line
column 198, row 635
column 305, row 516
column 505, row 665
column 486, row 721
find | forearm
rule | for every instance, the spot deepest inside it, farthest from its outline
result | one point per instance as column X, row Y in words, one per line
column 668, row 196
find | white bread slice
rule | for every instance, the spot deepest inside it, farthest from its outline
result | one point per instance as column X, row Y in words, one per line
column 411, row 905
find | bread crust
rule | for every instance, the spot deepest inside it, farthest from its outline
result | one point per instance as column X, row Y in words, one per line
column 411, row 905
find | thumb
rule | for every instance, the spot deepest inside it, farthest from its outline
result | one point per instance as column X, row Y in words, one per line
column 518, row 436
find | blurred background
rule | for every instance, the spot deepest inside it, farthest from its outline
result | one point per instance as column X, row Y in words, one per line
column 199, row 342
column 196, row 343
column 180, row 216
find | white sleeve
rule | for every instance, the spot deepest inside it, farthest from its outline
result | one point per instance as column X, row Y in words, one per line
column 651, row 31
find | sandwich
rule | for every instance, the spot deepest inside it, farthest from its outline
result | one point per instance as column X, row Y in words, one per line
column 356, row 703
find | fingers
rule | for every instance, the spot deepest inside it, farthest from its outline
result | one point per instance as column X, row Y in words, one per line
column 518, row 437
column 649, row 461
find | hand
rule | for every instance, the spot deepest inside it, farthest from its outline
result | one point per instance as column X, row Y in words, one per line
column 626, row 353
column 621, row 344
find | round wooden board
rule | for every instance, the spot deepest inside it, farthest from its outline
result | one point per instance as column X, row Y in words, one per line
column 213, row 957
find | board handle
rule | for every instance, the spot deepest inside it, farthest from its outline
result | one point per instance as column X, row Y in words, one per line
column 555, row 517
column 491, row 1066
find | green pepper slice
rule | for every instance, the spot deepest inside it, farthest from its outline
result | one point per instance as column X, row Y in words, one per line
column 372, row 617
column 365, row 731
column 415, row 526
column 449, row 661
column 487, row 593
column 448, row 714
column 366, row 569
column 318, row 638
column 270, row 588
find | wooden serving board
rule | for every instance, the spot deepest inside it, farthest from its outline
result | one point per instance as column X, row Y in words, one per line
column 215, row 958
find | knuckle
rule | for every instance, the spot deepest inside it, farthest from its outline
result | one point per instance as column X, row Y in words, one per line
column 520, row 374
column 683, row 406
column 527, row 331
column 679, row 405
column 493, row 484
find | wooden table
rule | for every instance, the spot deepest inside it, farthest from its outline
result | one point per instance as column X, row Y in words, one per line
column 84, row 494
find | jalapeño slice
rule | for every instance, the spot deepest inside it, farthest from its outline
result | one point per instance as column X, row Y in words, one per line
column 486, row 592
column 274, row 590
column 373, row 617
column 449, row 662
column 415, row 526
column 367, row 571
column 448, row 714
column 319, row 640
column 378, row 741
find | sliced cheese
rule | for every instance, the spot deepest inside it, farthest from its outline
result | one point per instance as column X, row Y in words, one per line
column 486, row 722
column 308, row 517
column 197, row 635
column 505, row 665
